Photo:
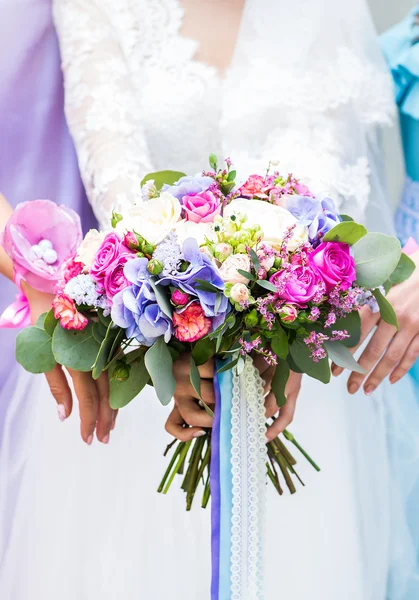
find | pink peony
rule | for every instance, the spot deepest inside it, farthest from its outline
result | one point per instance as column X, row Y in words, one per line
column 115, row 280
column 297, row 286
column 65, row 310
column 179, row 298
column 108, row 252
column 191, row 324
column 334, row 264
column 202, row 207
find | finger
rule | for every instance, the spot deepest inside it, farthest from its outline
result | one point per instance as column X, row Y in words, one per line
column 271, row 407
column 175, row 425
column 87, row 394
column 368, row 321
column 372, row 354
column 182, row 368
column 390, row 359
column 286, row 415
column 105, row 413
column 184, row 388
column 408, row 360
column 261, row 364
column 192, row 413
column 115, row 414
column 267, row 378
column 61, row 391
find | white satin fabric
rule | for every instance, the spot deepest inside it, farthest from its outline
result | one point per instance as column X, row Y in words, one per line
column 306, row 86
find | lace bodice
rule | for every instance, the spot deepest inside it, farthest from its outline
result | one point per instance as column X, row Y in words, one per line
column 138, row 101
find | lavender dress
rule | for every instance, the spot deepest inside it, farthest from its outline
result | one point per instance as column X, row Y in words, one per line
column 37, row 160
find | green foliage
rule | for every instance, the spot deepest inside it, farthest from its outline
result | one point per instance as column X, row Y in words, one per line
column 122, row 392
column 352, row 324
column 159, row 364
column 403, row 271
column 346, row 218
column 34, row 351
column 301, row 356
column 161, row 178
column 50, row 322
column 386, row 310
column 279, row 382
column 279, row 343
column 376, row 256
column 247, row 275
column 267, row 285
column 341, row 356
column 76, row 350
column 203, row 350
column 196, row 384
column 347, row 232
column 161, row 298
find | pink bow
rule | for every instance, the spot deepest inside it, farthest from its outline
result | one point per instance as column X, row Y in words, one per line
column 411, row 247
column 17, row 314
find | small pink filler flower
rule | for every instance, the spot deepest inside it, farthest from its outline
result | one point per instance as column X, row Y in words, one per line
column 65, row 310
column 191, row 324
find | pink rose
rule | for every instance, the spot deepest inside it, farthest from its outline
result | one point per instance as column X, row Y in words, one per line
column 179, row 298
column 302, row 190
column 65, row 310
column 108, row 252
column 191, row 324
column 288, row 313
column 297, row 286
column 202, row 207
column 257, row 187
column 115, row 280
column 335, row 265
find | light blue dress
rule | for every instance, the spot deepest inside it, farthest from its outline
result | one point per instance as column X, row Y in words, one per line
column 401, row 48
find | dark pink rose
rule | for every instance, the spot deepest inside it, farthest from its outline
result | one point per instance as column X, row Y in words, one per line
column 179, row 298
column 297, row 286
column 108, row 252
column 202, row 207
column 115, row 280
column 335, row 265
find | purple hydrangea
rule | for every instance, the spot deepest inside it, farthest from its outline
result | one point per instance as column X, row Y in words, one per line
column 320, row 216
column 201, row 267
column 188, row 186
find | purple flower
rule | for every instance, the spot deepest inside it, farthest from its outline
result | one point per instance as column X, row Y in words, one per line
column 201, row 267
column 188, row 186
column 319, row 215
column 135, row 308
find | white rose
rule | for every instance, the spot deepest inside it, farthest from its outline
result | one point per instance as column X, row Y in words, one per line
column 228, row 269
column 154, row 219
column 273, row 220
column 239, row 293
column 189, row 229
column 89, row 247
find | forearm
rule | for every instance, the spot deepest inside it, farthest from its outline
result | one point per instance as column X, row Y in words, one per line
column 6, row 266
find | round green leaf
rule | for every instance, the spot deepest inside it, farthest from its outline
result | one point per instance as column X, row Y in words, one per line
column 403, row 270
column 159, row 364
column 34, row 351
column 301, row 356
column 122, row 392
column 50, row 322
column 76, row 350
column 347, row 232
column 161, row 178
column 376, row 256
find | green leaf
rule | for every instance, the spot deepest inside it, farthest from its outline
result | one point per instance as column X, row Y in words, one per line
column 40, row 321
column 341, row 356
column 162, row 299
column 352, row 324
column 403, row 271
column 232, row 176
column 386, row 310
column 255, row 259
column 104, row 351
column 267, row 285
column 301, row 356
column 99, row 331
column 196, row 384
column 75, row 349
column 376, row 256
column 104, row 320
column 347, row 232
column 163, row 177
column 159, row 364
column 346, row 218
column 203, row 350
column 228, row 365
column 33, row 350
column 206, row 286
column 50, row 322
column 122, row 392
column 218, row 299
column 279, row 382
column 213, row 161
column 279, row 343
column 292, row 365
column 247, row 275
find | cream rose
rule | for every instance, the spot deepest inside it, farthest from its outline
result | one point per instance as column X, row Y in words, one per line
column 154, row 219
column 228, row 269
column 190, row 229
column 239, row 292
column 89, row 247
column 273, row 220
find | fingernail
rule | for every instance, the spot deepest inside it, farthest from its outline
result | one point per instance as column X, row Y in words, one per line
column 90, row 440
column 105, row 440
column 353, row 388
column 393, row 380
column 199, row 433
column 267, row 440
column 113, row 424
column 62, row 415
column 369, row 390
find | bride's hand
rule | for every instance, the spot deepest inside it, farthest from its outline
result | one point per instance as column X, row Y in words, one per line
column 188, row 420
column 93, row 395
column 389, row 352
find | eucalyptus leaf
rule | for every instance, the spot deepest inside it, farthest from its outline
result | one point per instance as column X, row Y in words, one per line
column 196, row 384
column 279, row 343
column 267, row 285
column 161, row 178
column 342, row 356
column 352, row 324
column 104, row 320
column 376, row 256
column 99, row 331
column 159, row 364
column 34, row 351
column 403, row 271
column 387, row 312
column 279, row 382
column 229, row 365
column 346, row 218
column 255, row 259
column 50, row 322
column 122, row 392
column 76, row 350
column 301, row 355
column 203, row 350
column 206, row 286
column 40, row 321
column 247, row 275
column 347, row 232
column 105, row 348
column 161, row 298
column 218, row 299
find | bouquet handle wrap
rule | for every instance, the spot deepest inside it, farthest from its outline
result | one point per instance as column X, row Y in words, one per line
column 238, row 485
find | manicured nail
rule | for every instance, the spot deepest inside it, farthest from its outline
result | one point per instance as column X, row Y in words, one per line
column 62, row 415
column 369, row 390
column 90, row 440
column 199, row 433
column 353, row 388
column 393, row 380
column 106, row 439
column 267, row 440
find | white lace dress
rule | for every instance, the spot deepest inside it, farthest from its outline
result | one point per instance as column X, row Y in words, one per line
column 305, row 86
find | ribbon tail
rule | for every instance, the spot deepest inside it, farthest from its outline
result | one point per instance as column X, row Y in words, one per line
column 17, row 314
column 410, row 247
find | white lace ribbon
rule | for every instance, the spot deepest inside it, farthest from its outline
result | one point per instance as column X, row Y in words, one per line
column 248, row 467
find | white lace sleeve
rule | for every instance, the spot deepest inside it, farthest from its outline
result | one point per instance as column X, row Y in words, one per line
column 101, row 107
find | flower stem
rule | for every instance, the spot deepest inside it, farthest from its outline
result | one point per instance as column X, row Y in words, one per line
column 288, row 435
column 169, row 468
column 179, row 463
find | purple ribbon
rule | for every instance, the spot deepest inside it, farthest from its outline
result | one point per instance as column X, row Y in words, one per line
column 215, row 494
